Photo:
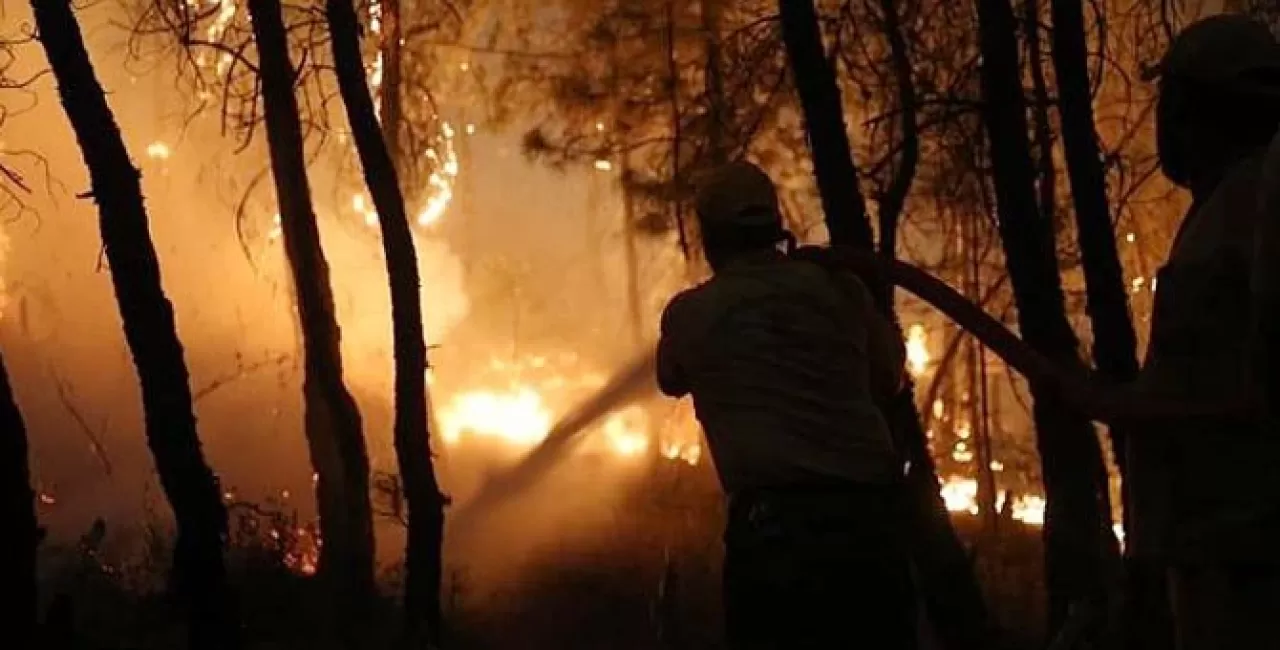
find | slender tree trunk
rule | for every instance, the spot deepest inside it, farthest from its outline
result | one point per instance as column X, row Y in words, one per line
column 677, row 144
column 392, row 78
column 1081, row 552
column 946, row 577
column 1115, row 345
column 332, row 421
column 1114, row 340
column 717, row 111
column 411, row 435
column 1043, row 125
column 815, row 79
column 18, row 510
column 192, row 489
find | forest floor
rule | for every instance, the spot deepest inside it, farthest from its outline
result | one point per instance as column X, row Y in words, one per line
column 652, row 583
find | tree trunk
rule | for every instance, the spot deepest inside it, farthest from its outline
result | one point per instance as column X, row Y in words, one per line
column 1114, row 340
column 1042, row 128
column 1115, row 345
column 411, row 435
column 843, row 207
column 1080, row 550
column 18, row 573
column 392, row 73
column 333, row 427
column 946, row 578
column 199, row 573
column 717, row 112
column 677, row 144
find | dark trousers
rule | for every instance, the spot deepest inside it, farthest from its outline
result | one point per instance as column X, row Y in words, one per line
column 818, row 568
column 1226, row 607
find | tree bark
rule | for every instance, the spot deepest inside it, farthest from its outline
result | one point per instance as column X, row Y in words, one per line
column 1042, row 128
column 1114, row 341
column 717, row 112
column 946, row 578
column 1115, row 344
column 815, row 80
column 392, row 73
column 411, row 434
column 332, row 421
column 191, row 487
column 18, row 510
column 1081, row 552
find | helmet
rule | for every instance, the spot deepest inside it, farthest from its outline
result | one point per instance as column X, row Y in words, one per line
column 1227, row 51
column 738, row 197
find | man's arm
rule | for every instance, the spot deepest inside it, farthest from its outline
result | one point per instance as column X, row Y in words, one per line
column 671, row 378
column 886, row 351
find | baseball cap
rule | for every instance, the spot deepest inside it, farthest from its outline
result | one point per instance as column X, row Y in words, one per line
column 738, row 194
column 1227, row 51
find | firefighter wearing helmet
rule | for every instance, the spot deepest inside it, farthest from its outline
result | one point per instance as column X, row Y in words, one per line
column 786, row 361
column 1204, row 504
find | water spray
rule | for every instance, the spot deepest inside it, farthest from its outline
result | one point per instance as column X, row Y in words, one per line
column 631, row 383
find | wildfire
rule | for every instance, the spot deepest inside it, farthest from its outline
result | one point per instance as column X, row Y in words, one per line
column 917, row 349
column 518, row 416
column 519, row 411
column 960, row 494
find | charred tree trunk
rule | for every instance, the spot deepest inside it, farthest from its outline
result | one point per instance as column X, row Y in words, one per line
column 1080, row 549
column 946, row 577
column 18, row 511
column 411, row 435
column 333, row 427
column 199, row 573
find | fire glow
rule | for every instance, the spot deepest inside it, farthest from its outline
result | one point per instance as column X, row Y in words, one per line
column 523, row 399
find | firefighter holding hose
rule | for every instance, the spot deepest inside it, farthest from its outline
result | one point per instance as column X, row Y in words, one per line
column 786, row 361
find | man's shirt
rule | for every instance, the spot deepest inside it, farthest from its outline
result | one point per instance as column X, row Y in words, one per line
column 776, row 354
column 1204, row 490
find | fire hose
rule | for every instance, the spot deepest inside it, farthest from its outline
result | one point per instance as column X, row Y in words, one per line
column 1093, row 398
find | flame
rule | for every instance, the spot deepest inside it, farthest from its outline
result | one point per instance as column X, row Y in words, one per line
column 960, row 495
column 518, row 416
column 518, row 410
column 158, row 151
column 917, row 349
column 444, row 159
